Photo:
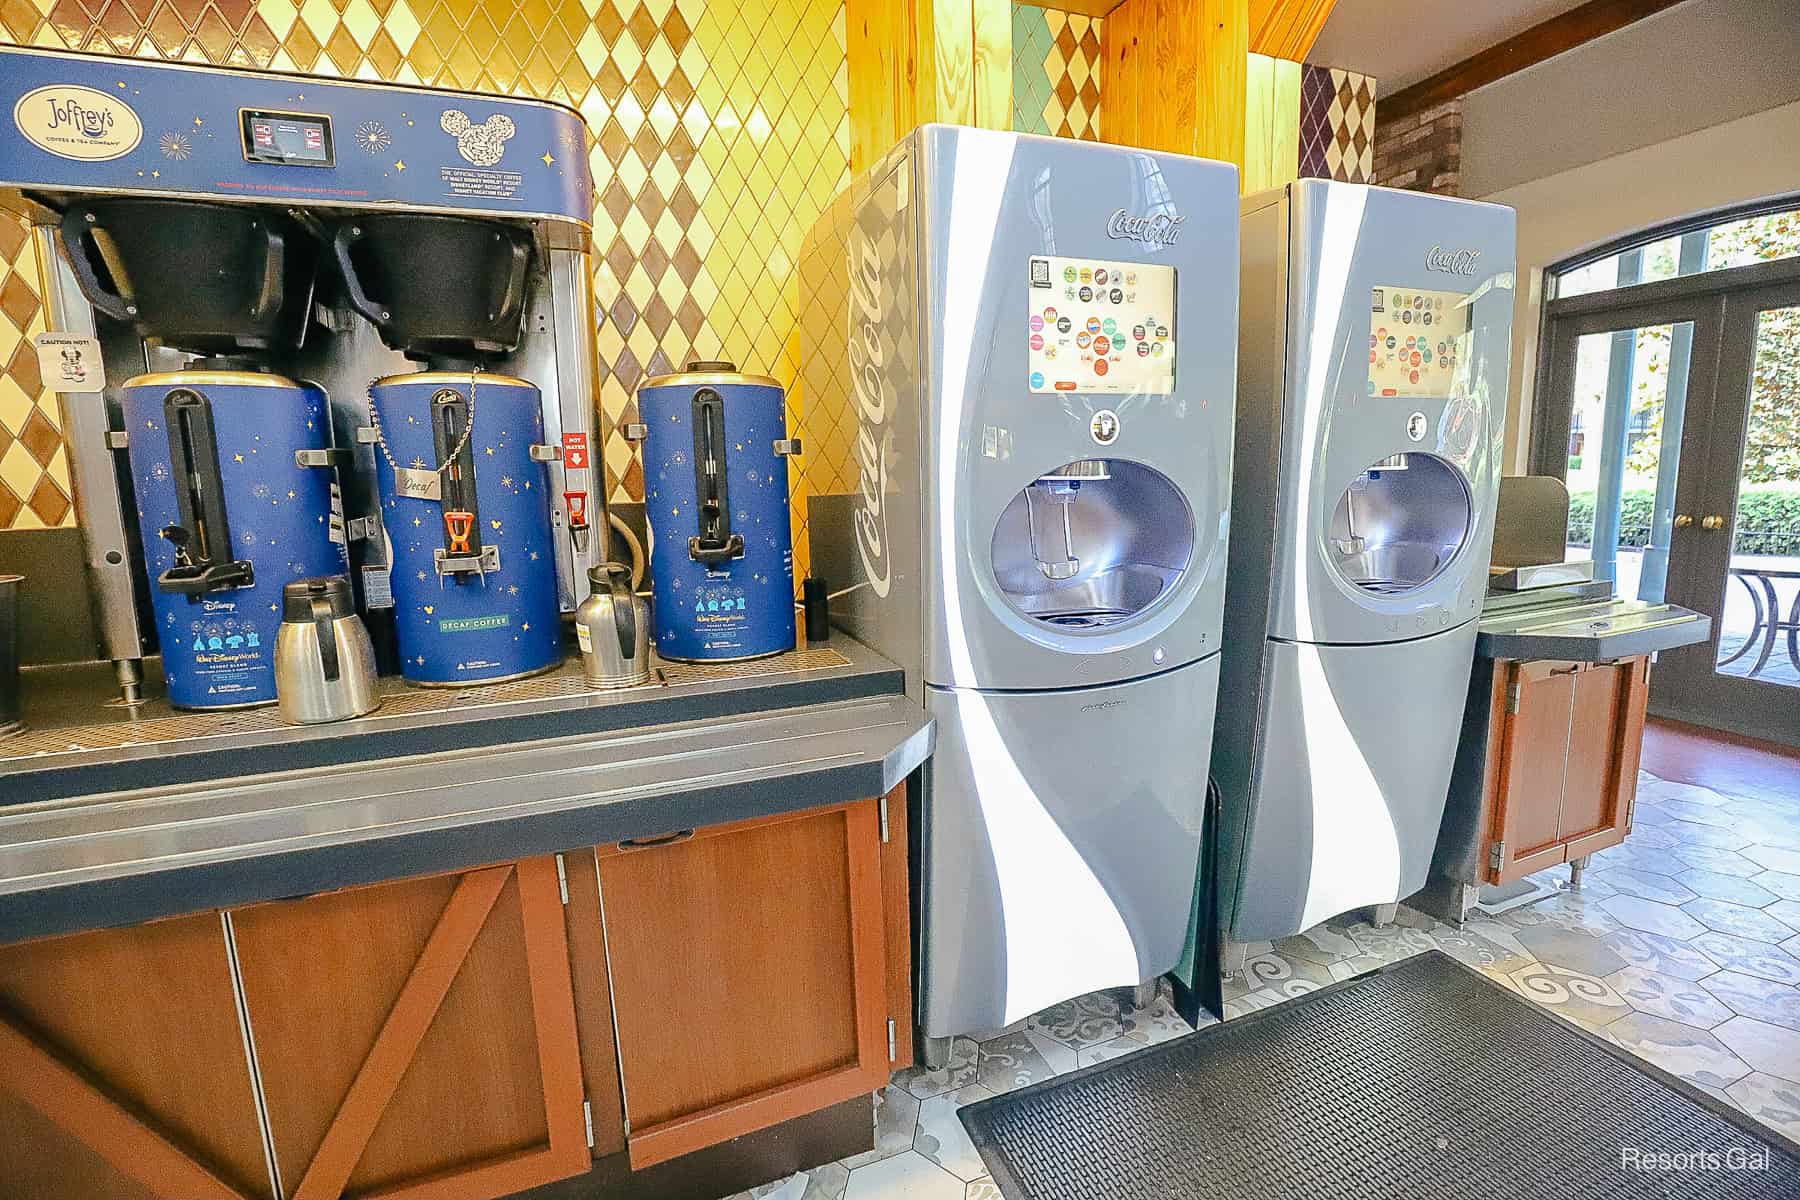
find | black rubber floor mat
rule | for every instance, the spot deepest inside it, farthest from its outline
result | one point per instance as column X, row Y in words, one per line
column 1422, row 1080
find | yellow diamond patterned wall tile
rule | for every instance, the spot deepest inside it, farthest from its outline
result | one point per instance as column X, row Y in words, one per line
column 719, row 132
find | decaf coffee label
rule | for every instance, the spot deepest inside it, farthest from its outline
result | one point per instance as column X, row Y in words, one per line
column 78, row 122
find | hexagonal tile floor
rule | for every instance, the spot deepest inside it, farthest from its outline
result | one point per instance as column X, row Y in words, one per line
column 1685, row 952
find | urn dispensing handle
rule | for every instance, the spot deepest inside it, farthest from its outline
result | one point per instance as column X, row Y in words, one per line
column 77, row 224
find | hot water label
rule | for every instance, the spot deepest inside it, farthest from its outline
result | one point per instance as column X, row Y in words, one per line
column 1099, row 327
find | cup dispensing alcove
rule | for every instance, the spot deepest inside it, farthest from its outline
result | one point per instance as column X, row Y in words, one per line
column 1400, row 523
column 1092, row 543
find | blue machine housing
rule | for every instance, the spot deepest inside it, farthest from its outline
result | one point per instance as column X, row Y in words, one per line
column 471, row 625
column 724, row 586
column 219, row 646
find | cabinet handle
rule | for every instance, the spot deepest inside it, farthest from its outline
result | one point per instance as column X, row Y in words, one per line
column 663, row 839
column 1683, row 520
column 1573, row 669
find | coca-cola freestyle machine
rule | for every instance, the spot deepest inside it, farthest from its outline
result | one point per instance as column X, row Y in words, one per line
column 1018, row 389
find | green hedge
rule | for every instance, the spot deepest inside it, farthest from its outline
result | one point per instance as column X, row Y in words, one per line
column 1768, row 518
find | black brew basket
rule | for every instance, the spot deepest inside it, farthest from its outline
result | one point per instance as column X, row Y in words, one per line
column 205, row 278
column 437, row 287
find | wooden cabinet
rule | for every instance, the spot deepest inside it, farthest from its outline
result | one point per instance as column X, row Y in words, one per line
column 750, row 976
column 452, row 1037
column 417, row 1038
column 1561, row 772
column 122, row 1068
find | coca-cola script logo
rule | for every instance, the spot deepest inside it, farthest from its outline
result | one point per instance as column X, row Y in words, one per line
column 1451, row 262
column 1154, row 229
column 869, row 383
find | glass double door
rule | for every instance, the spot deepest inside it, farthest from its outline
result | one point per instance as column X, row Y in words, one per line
column 1681, row 449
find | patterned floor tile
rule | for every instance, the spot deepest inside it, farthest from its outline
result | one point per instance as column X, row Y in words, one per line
column 1567, row 948
column 1089, row 1020
column 1711, row 858
column 1692, row 833
column 983, row 1189
column 1717, row 813
column 1013, row 1060
column 1739, row 920
column 906, row 1176
column 1664, row 955
column 1323, row 945
column 1782, row 884
column 1773, row 1101
column 1573, row 994
column 1764, row 999
column 1475, row 949
column 1771, row 1049
column 1775, row 858
column 1717, row 885
column 1291, row 976
column 1785, row 911
column 1243, row 1006
column 1649, row 916
column 1750, row 957
column 1651, row 837
column 941, row 1137
column 921, row 1081
column 1689, row 1052
column 896, row 1120
column 1666, row 996
column 1389, row 944
column 1496, row 931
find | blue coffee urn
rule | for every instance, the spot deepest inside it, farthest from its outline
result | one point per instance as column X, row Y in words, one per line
column 466, row 510
column 233, row 479
column 716, row 501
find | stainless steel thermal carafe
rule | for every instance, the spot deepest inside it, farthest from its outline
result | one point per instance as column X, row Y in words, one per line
column 613, row 627
column 324, row 661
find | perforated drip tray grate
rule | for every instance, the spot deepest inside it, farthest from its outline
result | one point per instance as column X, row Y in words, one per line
column 156, row 723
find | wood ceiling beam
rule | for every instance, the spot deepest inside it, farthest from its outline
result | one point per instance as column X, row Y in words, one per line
column 1287, row 28
column 1545, row 40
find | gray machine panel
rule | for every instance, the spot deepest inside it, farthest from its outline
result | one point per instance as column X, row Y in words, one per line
column 1344, row 242
column 990, row 201
column 1057, row 881
column 1349, row 806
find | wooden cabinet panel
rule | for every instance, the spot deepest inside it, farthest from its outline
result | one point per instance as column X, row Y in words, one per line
column 593, row 1003
column 1563, row 771
column 418, row 1038
column 1605, row 738
column 1533, row 747
column 749, row 974
column 126, row 1046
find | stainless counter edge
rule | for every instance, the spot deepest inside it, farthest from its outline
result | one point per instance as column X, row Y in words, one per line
column 127, row 857
column 1602, row 647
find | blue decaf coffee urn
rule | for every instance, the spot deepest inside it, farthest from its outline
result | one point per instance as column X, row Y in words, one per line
column 715, row 450
column 232, row 467
column 465, row 493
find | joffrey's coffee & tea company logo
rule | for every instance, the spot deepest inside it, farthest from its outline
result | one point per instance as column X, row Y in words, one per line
column 1153, row 229
column 1451, row 262
column 77, row 122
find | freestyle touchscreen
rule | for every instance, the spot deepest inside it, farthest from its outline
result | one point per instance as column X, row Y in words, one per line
column 1416, row 340
column 1100, row 326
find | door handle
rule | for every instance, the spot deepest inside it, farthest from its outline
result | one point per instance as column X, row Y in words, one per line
column 1712, row 522
column 1682, row 521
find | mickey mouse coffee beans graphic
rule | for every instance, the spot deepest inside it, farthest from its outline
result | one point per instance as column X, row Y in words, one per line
column 482, row 145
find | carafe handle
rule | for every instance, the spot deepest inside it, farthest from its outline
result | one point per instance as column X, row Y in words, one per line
column 512, row 298
column 324, row 627
column 624, row 608
column 77, row 223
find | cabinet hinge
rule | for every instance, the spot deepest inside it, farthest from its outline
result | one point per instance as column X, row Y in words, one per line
column 627, row 1123
column 1496, row 856
column 1512, row 698
column 587, row 1118
column 882, row 807
column 562, row 885
column 892, row 1051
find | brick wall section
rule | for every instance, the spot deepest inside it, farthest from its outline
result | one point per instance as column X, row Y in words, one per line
column 1422, row 152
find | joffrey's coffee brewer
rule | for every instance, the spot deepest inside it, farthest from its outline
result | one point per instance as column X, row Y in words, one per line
column 185, row 211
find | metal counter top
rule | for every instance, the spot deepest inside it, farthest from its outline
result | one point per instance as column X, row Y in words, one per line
column 75, row 745
column 1582, row 623
column 131, row 856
